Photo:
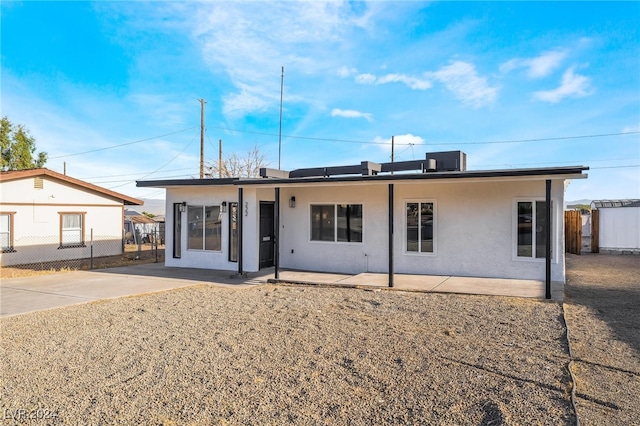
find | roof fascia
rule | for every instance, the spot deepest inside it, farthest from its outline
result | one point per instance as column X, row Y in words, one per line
column 22, row 174
column 484, row 175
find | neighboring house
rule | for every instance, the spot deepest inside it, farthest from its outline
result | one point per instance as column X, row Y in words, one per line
column 139, row 228
column 619, row 225
column 429, row 217
column 47, row 216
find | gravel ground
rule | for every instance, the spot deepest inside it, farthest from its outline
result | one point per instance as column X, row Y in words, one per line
column 603, row 315
column 289, row 355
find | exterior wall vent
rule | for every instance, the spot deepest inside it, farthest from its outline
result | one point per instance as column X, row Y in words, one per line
column 38, row 182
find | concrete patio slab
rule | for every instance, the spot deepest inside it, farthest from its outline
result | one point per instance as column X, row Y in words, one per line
column 312, row 277
column 492, row 286
column 418, row 282
column 429, row 283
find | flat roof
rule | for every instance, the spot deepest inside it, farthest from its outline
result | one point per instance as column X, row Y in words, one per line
column 506, row 173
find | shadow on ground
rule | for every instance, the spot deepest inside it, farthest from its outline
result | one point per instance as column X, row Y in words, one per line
column 610, row 286
column 159, row 270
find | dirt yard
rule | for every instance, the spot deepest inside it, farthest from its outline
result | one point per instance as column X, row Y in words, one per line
column 602, row 304
column 290, row 355
column 306, row 355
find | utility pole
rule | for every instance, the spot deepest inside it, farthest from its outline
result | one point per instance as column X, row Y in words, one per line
column 202, row 102
column 280, row 131
column 220, row 158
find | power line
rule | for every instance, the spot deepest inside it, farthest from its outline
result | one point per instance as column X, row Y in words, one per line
column 614, row 167
column 131, row 174
column 159, row 168
column 557, row 162
column 537, row 140
column 124, row 144
column 430, row 143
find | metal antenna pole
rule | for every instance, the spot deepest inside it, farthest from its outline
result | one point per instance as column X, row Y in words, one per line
column 280, row 131
column 393, row 148
column 202, row 102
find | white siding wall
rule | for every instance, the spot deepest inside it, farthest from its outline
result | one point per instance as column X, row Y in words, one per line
column 37, row 221
column 620, row 228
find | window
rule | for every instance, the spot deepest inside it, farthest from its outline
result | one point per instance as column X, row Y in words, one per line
column 420, row 221
column 336, row 222
column 6, row 232
column 71, row 230
column 205, row 227
column 531, row 233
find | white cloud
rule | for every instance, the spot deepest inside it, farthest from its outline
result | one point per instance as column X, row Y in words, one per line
column 413, row 83
column 350, row 113
column 573, row 85
column 401, row 143
column 539, row 66
column 236, row 38
column 366, row 79
column 345, row 72
column 630, row 129
column 464, row 82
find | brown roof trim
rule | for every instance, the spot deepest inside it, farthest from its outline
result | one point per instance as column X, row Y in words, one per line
column 22, row 174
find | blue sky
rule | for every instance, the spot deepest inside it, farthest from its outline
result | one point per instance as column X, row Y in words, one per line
column 474, row 76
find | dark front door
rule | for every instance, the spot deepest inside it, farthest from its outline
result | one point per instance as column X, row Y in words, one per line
column 177, row 230
column 267, row 234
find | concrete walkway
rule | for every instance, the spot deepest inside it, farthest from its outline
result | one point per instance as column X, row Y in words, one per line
column 36, row 293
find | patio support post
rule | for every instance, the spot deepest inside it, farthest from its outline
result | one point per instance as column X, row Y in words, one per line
column 390, row 235
column 240, row 226
column 548, row 241
column 276, row 255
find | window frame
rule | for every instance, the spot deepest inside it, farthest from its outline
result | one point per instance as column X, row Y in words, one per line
column 203, row 219
column 11, row 247
column 82, row 230
column 515, row 215
column 335, row 222
column 405, row 231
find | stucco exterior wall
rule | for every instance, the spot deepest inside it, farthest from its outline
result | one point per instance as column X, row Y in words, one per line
column 214, row 196
column 474, row 233
column 619, row 228
column 36, row 221
column 209, row 196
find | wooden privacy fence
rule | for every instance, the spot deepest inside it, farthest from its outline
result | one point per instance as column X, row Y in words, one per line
column 595, row 231
column 572, row 231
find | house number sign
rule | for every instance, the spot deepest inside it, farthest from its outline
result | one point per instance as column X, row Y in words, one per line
column 246, row 208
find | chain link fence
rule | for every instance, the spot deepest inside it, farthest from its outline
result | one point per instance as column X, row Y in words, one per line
column 43, row 253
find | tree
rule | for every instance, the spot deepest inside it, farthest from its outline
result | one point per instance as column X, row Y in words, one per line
column 236, row 166
column 149, row 215
column 17, row 147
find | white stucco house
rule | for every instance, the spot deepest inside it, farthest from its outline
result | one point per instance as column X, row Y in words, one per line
column 619, row 225
column 430, row 217
column 47, row 216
